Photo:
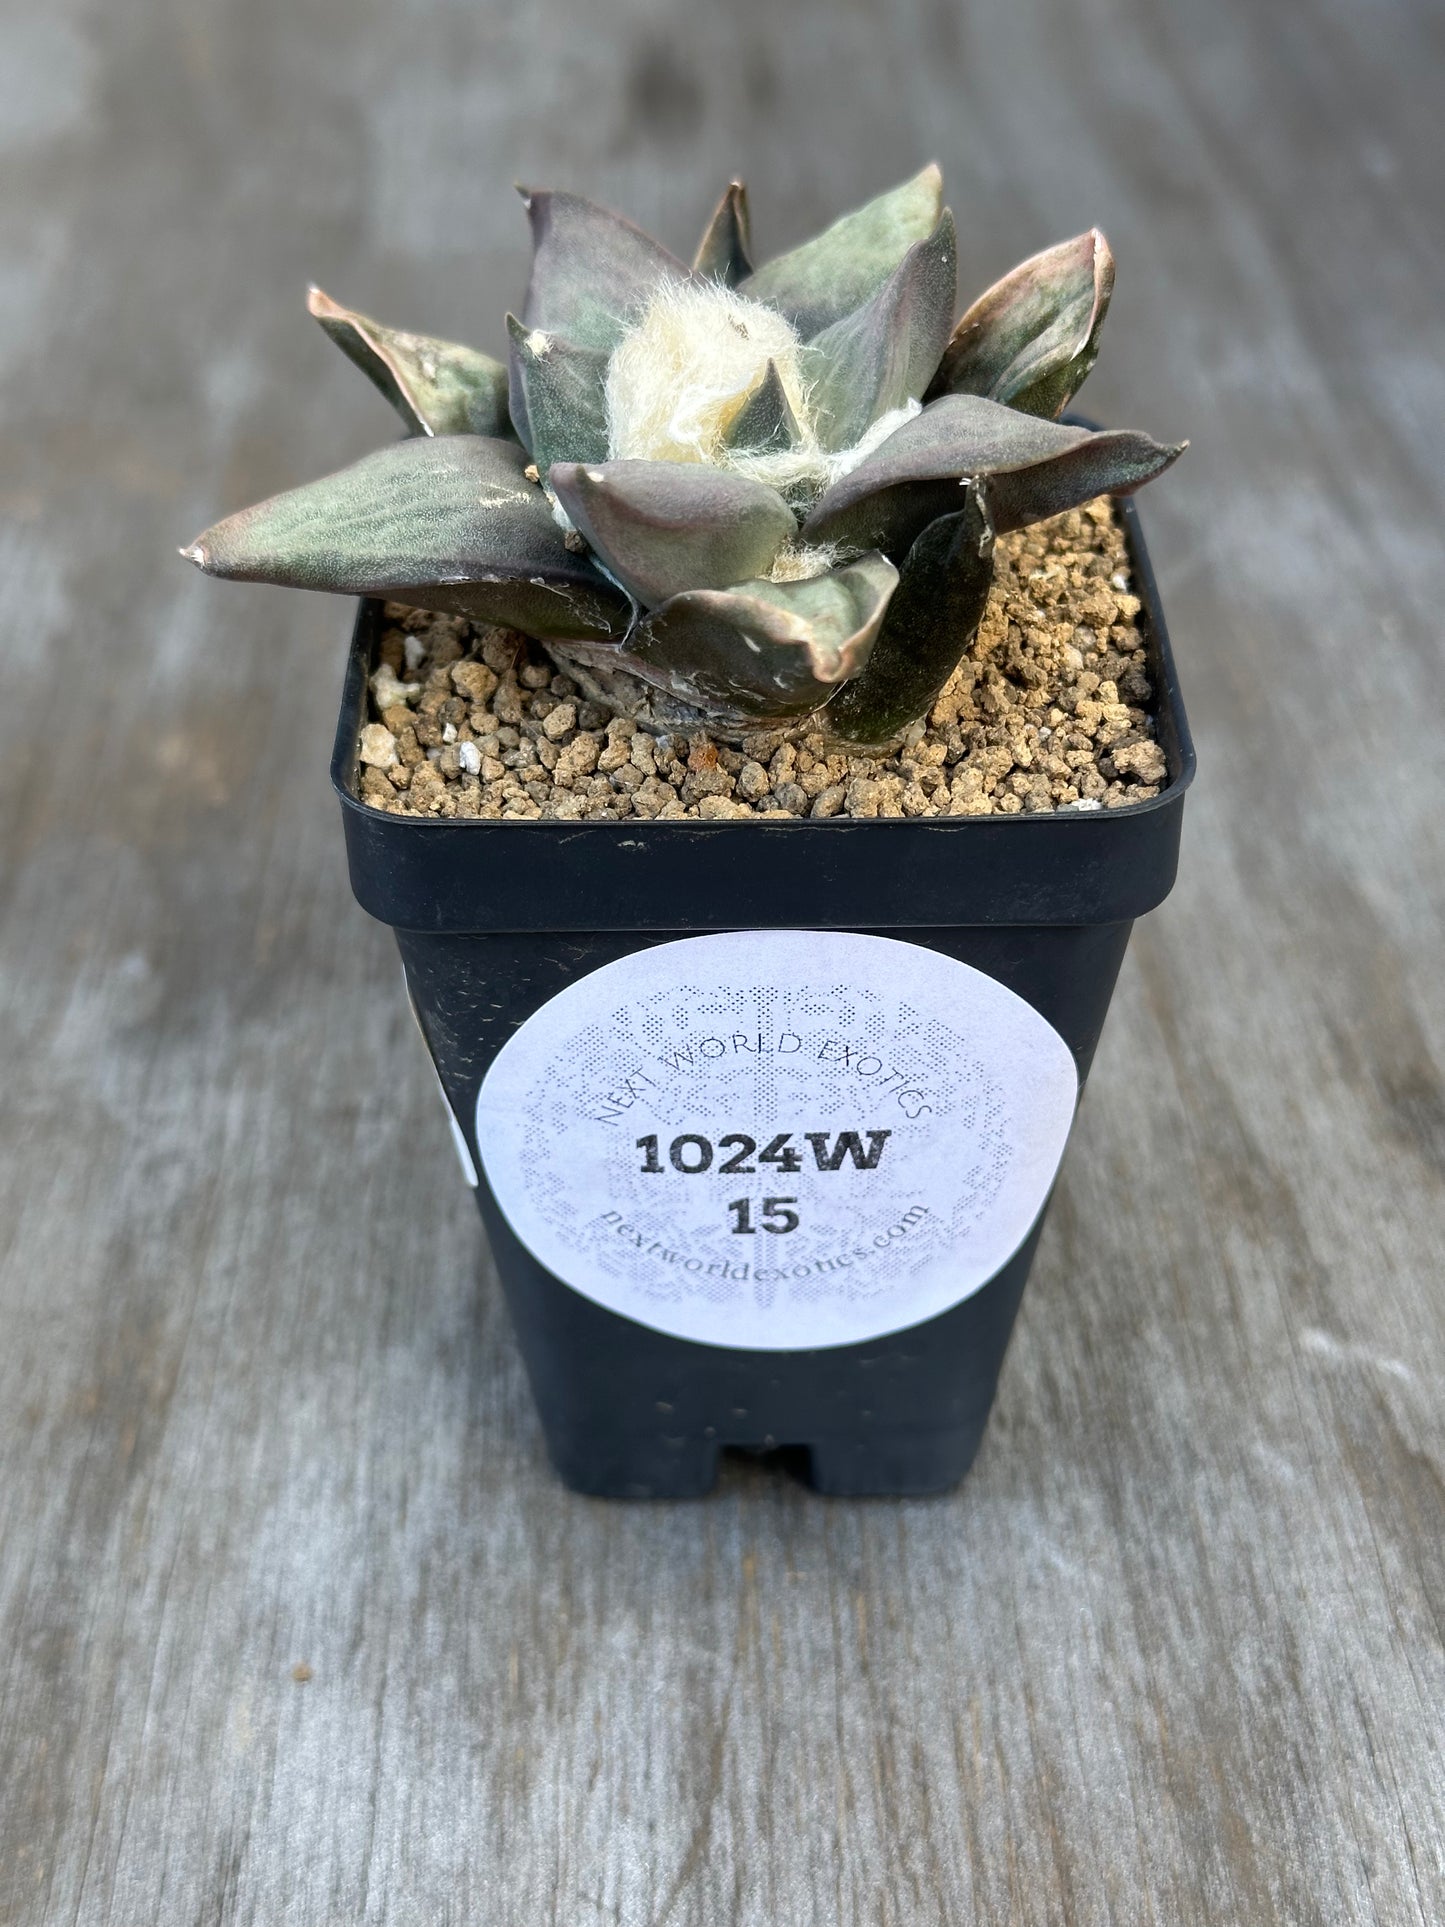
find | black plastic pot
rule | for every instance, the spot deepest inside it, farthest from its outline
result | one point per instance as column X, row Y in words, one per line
column 495, row 919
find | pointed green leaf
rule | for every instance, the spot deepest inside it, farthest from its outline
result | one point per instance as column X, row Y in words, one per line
column 933, row 616
column 885, row 353
column 437, row 387
column 662, row 527
column 1030, row 469
column 766, row 420
column 1034, row 336
column 838, row 270
column 562, row 396
column 724, row 253
column 517, row 397
column 591, row 271
column 450, row 523
column 765, row 649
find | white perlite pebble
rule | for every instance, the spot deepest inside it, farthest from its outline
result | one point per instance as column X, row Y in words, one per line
column 389, row 690
column 470, row 758
column 378, row 746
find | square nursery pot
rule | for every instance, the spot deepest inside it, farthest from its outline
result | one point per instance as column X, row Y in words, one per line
column 763, row 1117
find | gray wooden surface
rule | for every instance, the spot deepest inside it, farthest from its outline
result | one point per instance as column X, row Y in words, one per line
column 1174, row 1653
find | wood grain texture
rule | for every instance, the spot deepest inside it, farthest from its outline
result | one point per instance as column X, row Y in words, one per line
column 1174, row 1653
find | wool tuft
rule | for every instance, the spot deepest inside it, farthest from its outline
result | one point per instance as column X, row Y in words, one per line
column 802, row 561
column 683, row 372
column 680, row 376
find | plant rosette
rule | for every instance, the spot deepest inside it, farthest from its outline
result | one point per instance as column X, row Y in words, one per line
column 762, row 1112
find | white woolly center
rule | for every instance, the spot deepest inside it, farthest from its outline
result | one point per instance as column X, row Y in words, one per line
column 681, row 375
column 679, row 378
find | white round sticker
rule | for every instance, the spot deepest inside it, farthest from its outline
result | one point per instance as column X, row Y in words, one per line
column 777, row 1139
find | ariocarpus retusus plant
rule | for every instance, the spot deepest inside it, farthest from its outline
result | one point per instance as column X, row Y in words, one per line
column 721, row 495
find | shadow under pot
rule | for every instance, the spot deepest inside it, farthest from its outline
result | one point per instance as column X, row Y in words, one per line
column 763, row 1116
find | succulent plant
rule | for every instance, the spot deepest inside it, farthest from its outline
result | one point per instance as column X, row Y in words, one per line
column 721, row 494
